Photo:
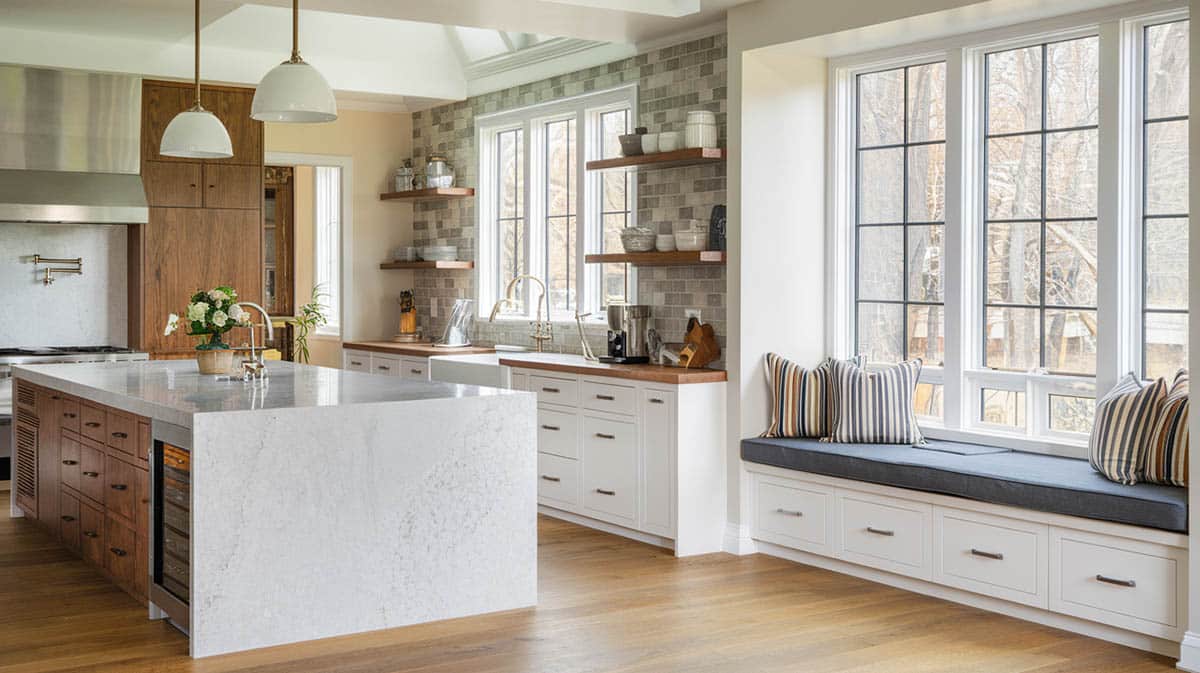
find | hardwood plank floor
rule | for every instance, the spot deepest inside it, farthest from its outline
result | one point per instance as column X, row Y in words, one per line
column 606, row 604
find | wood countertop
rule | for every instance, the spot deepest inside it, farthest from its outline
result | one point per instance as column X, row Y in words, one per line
column 418, row 350
column 575, row 364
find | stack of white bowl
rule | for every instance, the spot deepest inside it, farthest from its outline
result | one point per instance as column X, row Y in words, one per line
column 690, row 235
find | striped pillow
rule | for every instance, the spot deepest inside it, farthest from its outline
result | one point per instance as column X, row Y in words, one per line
column 1167, row 455
column 874, row 407
column 1125, row 421
column 799, row 398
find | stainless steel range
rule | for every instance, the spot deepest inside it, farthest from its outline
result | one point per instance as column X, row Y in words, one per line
column 44, row 355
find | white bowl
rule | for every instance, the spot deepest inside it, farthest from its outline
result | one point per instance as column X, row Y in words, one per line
column 664, row 242
column 668, row 141
column 650, row 143
column 691, row 241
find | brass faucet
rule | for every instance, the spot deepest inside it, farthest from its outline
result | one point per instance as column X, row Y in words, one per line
column 256, row 366
column 543, row 331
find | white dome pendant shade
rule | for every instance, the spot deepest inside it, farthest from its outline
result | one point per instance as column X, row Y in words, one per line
column 196, row 133
column 294, row 91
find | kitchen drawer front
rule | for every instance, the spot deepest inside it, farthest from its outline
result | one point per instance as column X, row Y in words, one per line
column 558, row 433
column 356, row 361
column 68, row 454
column 68, row 515
column 415, row 368
column 793, row 514
column 69, row 411
column 232, row 186
column 552, row 390
column 91, row 422
column 91, row 472
column 91, row 534
column 122, row 433
column 886, row 533
column 1121, row 582
column 558, row 481
column 385, row 365
column 610, row 470
column 120, row 494
column 992, row 555
column 608, row 397
column 120, row 553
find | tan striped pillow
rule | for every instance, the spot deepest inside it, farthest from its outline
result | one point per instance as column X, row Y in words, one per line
column 1125, row 421
column 874, row 407
column 799, row 398
column 1167, row 455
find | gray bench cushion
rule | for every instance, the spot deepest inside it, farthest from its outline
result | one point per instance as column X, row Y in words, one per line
column 1029, row 480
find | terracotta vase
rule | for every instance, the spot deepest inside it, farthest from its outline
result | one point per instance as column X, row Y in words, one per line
column 217, row 361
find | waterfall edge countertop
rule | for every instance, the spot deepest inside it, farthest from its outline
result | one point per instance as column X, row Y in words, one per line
column 174, row 391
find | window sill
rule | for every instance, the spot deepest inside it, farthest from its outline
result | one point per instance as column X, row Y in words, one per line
column 1017, row 442
column 317, row 336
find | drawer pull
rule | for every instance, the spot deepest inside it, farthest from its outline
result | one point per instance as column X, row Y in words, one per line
column 383, row 368
column 55, row 397
column 603, row 491
column 880, row 531
column 656, row 400
column 91, row 474
column 92, row 424
column 70, row 462
column 549, row 478
column 606, row 398
column 552, row 428
column 68, row 518
column 551, row 390
column 118, row 551
column 120, row 435
column 92, row 534
column 604, row 435
column 995, row 556
column 1117, row 582
column 119, row 487
column 356, row 363
column 789, row 512
column 69, row 415
column 415, row 371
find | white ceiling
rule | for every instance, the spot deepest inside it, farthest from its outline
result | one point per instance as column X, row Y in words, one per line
column 383, row 54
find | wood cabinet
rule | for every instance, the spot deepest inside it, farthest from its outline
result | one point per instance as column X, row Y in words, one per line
column 205, row 224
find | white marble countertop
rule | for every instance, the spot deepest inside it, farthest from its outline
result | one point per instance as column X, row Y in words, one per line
column 174, row 391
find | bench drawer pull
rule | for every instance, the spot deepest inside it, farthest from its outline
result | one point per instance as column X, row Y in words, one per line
column 1116, row 582
column 606, row 398
column 995, row 556
column 551, row 390
column 789, row 512
column 656, row 400
column 880, row 531
column 552, row 428
column 604, row 491
column 603, row 435
column 549, row 478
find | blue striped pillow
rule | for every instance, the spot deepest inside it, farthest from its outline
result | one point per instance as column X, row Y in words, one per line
column 799, row 398
column 1125, row 421
column 874, row 407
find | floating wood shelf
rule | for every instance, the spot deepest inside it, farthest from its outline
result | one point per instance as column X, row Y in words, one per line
column 677, row 258
column 428, row 265
column 426, row 194
column 684, row 157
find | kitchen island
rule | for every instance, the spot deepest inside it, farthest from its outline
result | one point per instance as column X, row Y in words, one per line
column 316, row 503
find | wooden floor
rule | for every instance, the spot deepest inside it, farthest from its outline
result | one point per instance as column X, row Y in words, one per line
column 605, row 604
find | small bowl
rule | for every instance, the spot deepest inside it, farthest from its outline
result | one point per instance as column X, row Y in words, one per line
column 668, row 141
column 691, row 241
column 631, row 144
column 650, row 143
column 637, row 239
column 689, row 225
column 664, row 243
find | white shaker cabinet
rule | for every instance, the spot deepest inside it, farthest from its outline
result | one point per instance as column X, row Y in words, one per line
column 386, row 364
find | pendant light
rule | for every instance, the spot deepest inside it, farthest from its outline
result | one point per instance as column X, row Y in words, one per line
column 294, row 91
column 196, row 133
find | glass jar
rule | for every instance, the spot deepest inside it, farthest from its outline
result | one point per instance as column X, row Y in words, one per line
column 404, row 177
column 439, row 174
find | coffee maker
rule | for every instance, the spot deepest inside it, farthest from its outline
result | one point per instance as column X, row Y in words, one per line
column 627, row 343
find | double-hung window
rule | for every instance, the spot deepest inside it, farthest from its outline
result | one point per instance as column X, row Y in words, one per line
column 540, row 212
column 1017, row 219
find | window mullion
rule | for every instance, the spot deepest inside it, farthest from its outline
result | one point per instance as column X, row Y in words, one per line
column 958, row 264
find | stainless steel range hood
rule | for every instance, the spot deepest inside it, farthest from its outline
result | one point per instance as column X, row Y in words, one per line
column 70, row 147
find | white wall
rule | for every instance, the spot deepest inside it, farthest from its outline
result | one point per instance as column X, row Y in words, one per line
column 1189, row 659
column 87, row 310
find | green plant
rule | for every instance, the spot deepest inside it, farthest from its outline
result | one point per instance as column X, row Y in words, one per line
column 311, row 315
column 209, row 315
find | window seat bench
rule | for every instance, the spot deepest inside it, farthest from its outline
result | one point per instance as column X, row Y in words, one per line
column 1000, row 476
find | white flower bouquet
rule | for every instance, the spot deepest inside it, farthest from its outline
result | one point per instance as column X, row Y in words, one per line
column 210, row 315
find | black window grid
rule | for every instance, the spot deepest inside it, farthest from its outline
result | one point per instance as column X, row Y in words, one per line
column 519, row 257
column 568, row 216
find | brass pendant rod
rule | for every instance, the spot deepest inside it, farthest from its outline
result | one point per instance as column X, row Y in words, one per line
column 296, row 31
column 197, row 47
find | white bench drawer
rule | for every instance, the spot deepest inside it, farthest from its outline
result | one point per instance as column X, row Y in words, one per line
column 792, row 515
column 610, row 469
column 885, row 533
column 992, row 555
column 1121, row 582
column 551, row 390
column 609, row 397
column 558, row 433
column 558, row 481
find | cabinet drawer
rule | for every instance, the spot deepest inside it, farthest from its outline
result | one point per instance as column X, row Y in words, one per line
column 991, row 555
column 608, row 397
column 610, row 470
column 120, row 494
column 68, row 515
column 68, row 453
column 1120, row 582
column 885, row 533
column 555, row 391
column 69, row 414
column 558, row 433
column 385, row 365
column 91, row 422
column 415, row 368
column 558, row 480
column 119, row 556
column 356, row 361
column 91, row 472
column 91, row 534
column 792, row 515
column 122, row 433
